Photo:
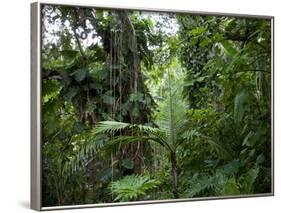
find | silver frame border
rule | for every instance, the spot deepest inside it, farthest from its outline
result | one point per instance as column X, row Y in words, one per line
column 35, row 113
column 36, row 152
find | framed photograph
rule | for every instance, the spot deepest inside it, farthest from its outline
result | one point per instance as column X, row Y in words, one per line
column 139, row 105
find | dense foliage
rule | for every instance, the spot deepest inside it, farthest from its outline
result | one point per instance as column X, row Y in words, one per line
column 147, row 106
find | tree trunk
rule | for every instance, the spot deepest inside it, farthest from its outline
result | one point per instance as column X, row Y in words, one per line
column 174, row 175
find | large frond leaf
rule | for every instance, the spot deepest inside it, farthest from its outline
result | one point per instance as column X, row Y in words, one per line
column 110, row 127
column 171, row 118
column 138, row 133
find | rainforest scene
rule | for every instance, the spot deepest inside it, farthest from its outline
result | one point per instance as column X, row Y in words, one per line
column 147, row 105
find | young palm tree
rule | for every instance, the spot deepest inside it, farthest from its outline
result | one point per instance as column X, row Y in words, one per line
column 171, row 123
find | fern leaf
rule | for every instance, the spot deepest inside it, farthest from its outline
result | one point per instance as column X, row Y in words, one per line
column 132, row 187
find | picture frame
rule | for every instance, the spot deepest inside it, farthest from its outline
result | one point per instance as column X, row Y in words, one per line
column 37, row 115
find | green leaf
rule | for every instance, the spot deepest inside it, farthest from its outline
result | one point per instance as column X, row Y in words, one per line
column 191, row 82
column 239, row 108
column 107, row 99
column 231, row 188
column 249, row 179
column 127, row 163
column 229, row 48
column 205, row 42
column 135, row 112
column 105, row 175
column 260, row 159
column 136, row 97
column 80, row 74
column 71, row 93
column 50, row 89
column 198, row 31
column 79, row 127
column 132, row 187
column 219, row 148
column 246, row 141
column 69, row 54
column 110, row 127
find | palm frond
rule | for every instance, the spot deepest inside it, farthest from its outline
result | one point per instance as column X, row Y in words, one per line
column 118, row 142
column 110, row 127
column 86, row 151
column 138, row 133
column 171, row 118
